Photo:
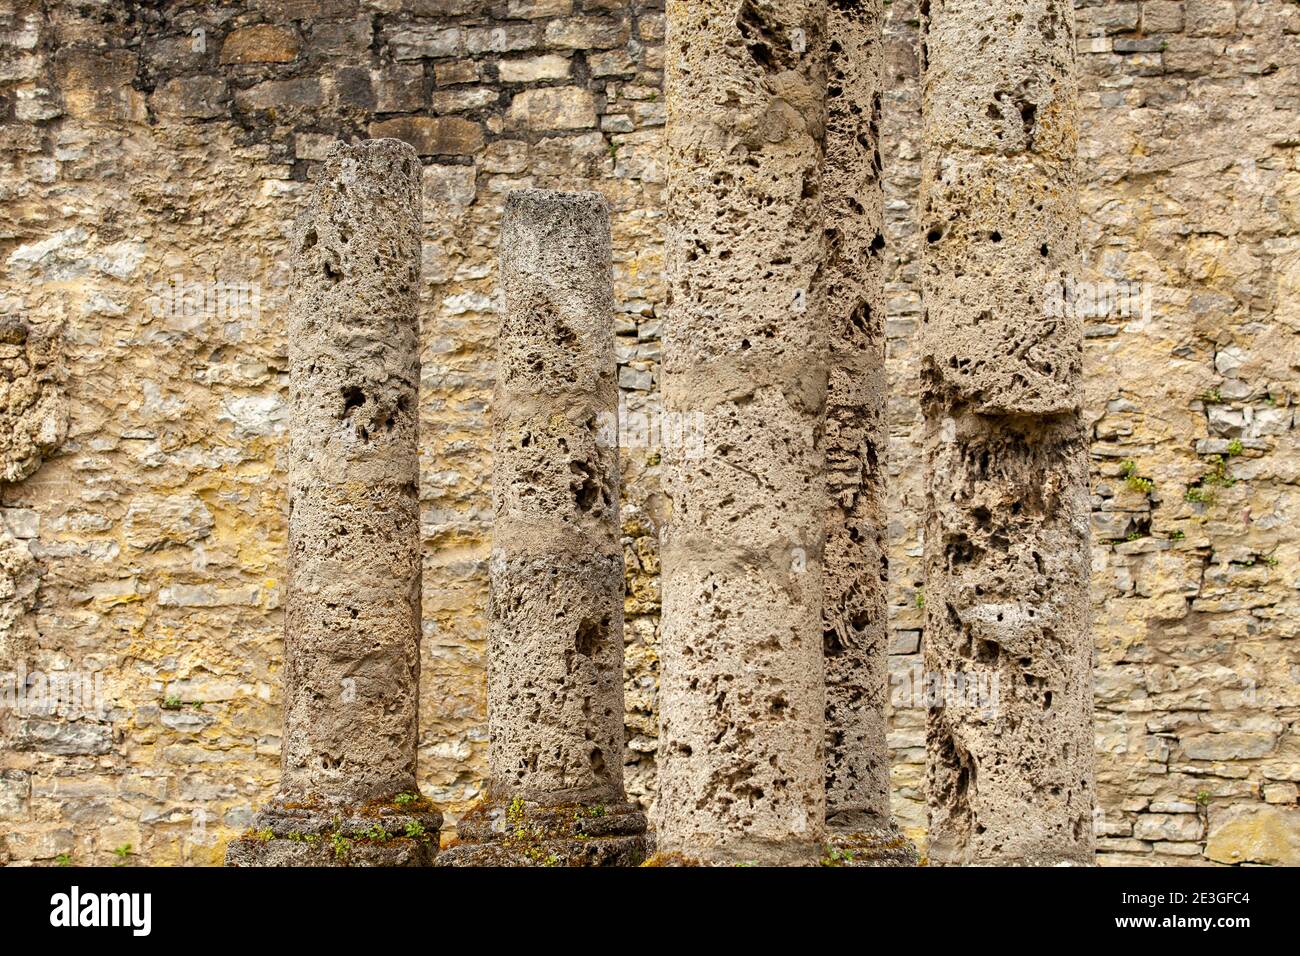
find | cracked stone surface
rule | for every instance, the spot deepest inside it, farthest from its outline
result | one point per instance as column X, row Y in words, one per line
column 1010, row 778
column 352, row 615
column 742, row 701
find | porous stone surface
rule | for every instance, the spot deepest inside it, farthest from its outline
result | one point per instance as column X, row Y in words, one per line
column 33, row 412
column 1006, row 537
column 352, row 605
column 741, row 758
column 856, row 563
column 555, row 649
column 184, row 173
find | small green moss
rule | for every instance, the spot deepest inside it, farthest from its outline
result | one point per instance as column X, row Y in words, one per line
column 920, row 600
column 1203, row 798
column 1177, row 535
column 402, row 799
column 266, row 836
column 1198, row 495
column 122, row 853
column 171, row 702
column 342, row 845
column 1235, row 447
column 63, row 859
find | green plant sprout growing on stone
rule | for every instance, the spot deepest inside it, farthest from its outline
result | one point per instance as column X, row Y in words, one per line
column 1218, row 474
column 414, row 829
column 1235, row 447
column 402, row 799
column 171, row 702
column 1177, row 535
column 1133, row 481
column 122, row 852
column 1197, row 495
column 920, row 600
column 341, row 845
column 1203, row 798
column 63, row 859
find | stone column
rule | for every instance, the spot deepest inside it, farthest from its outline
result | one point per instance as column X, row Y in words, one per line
column 1007, row 648
column 742, row 703
column 352, row 604
column 856, row 566
column 555, row 655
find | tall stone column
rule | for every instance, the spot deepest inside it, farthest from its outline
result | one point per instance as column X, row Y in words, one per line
column 555, row 655
column 742, row 703
column 856, row 567
column 352, row 604
column 1007, row 648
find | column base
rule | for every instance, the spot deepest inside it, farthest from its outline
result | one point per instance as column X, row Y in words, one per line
column 519, row 832
column 867, row 844
column 379, row 834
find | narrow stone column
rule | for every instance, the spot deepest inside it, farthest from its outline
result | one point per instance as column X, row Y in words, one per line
column 555, row 656
column 1007, row 648
column 742, row 704
column 352, row 604
column 856, row 564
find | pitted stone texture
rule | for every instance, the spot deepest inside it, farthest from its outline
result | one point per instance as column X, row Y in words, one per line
column 1010, row 742
column 352, row 616
column 19, row 581
column 517, row 832
column 372, row 835
column 1011, row 775
column 856, row 565
column 742, row 703
column 33, row 411
column 555, row 667
column 999, row 210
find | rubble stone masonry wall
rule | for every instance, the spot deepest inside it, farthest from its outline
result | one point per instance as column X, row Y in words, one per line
column 152, row 159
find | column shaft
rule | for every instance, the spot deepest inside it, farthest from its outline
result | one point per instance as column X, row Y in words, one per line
column 1006, row 643
column 555, row 654
column 856, row 564
column 352, row 601
column 742, row 701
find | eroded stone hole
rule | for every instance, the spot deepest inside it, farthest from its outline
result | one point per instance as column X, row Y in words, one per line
column 587, row 491
column 353, row 398
column 766, row 41
column 590, row 636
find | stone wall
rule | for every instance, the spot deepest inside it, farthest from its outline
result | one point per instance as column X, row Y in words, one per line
column 152, row 157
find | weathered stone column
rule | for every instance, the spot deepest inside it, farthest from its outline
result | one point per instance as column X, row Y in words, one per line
column 1007, row 647
column 352, row 604
column 742, row 703
column 555, row 656
column 856, row 564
